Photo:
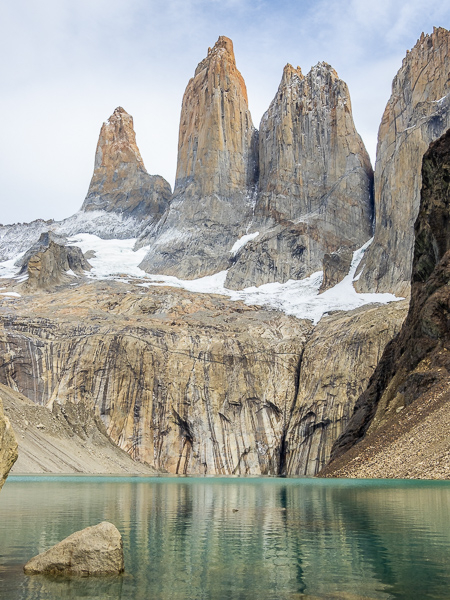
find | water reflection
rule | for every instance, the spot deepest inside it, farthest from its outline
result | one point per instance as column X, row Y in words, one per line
column 236, row 539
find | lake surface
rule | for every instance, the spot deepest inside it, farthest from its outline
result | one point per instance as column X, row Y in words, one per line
column 235, row 538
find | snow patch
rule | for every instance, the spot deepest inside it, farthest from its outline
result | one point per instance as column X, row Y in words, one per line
column 70, row 272
column 15, row 294
column 116, row 259
column 240, row 243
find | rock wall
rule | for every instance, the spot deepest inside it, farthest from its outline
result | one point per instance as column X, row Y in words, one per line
column 315, row 184
column 417, row 113
column 8, row 446
column 216, row 173
column 410, row 385
column 120, row 182
column 194, row 383
column 187, row 383
column 337, row 363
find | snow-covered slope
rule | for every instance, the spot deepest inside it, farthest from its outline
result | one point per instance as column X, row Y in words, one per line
column 17, row 238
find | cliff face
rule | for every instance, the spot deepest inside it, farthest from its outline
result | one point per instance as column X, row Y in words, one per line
column 417, row 113
column 8, row 446
column 120, row 182
column 69, row 438
column 337, row 363
column 193, row 383
column 315, row 185
column 406, row 404
column 188, row 383
column 216, row 172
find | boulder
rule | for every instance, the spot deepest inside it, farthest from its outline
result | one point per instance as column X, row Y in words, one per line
column 8, row 446
column 95, row 550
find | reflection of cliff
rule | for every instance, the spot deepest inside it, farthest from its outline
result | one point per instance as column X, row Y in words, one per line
column 278, row 538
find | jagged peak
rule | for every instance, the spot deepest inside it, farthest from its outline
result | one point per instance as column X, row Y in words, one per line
column 290, row 73
column 323, row 68
column 223, row 46
column 427, row 41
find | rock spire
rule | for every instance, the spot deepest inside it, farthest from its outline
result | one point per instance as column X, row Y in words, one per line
column 216, row 172
column 418, row 112
column 120, row 182
column 315, row 186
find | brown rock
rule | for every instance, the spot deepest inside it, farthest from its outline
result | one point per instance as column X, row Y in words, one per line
column 412, row 378
column 95, row 550
column 189, row 383
column 8, row 446
column 335, row 267
column 336, row 366
column 417, row 113
column 315, row 176
column 216, row 172
column 120, row 182
column 49, row 263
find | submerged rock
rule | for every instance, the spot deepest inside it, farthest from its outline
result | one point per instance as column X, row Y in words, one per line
column 95, row 550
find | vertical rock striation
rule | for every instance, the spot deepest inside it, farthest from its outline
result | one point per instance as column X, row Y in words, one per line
column 418, row 112
column 120, row 182
column 216, row 172
column 315, row 186
column 411, row 382
column 8, row 446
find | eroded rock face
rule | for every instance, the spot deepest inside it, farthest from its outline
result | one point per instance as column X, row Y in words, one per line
column 95, row 550
column 49, row 263
column 337, row 363
column 120, row 182
column 315, row 177
column 335, row 267
column 216, row 173
column 8, row 446
column 417, row 113
column 411, row 381
column 187, row 383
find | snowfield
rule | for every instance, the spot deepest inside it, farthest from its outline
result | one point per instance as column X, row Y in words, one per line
column 115, row 259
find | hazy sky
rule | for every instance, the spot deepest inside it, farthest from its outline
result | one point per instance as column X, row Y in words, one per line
column 66, row 65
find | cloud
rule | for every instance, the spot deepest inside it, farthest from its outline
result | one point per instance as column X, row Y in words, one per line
column 66, row 66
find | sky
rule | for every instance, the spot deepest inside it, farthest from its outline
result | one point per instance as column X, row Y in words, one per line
column 66, row 65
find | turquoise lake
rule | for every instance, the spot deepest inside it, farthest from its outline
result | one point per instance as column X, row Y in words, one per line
column 235, row 538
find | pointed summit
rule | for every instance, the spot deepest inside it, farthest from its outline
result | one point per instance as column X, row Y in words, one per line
column 417, row 113
column 216, row 147
column 216, row 172
column 120, row 182
column 315, row 185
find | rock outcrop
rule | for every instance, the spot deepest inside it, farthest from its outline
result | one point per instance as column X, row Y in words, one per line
column 337, row 363
column 216, row 173
column 417, row 113
column 189, row 383
column 64, row 438
column 315, row 184
column 411, row 381
column 335, row 267
column 95, row 550
column 120, row 182
column 50, row 262
column 8, row 446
